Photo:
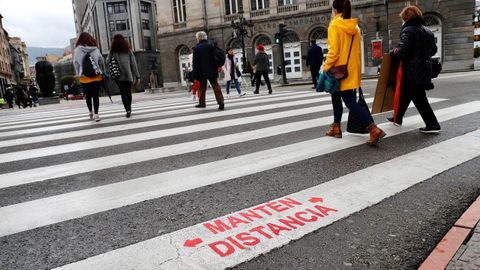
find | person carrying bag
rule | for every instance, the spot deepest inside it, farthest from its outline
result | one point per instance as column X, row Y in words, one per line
column 344, row 49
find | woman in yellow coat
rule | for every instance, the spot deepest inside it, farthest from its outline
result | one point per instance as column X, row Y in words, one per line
column 343, row 33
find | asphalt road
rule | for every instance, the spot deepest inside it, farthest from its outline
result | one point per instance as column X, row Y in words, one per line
column 51, row 219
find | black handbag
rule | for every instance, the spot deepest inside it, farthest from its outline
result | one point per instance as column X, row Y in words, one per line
column 354, row 124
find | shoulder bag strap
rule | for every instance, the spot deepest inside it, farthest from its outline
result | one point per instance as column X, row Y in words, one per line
column 351, row 44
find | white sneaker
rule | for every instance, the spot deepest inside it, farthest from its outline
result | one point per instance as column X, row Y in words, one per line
column 242, row 94
column 90, row 115
column 96, row 118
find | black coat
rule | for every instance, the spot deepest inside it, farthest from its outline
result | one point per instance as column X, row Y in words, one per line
column 416, row 47
column 315, row 56
column 203, row 61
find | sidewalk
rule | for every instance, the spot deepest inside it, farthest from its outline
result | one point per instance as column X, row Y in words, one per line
column 460, row 248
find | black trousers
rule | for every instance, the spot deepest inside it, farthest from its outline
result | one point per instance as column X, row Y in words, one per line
column 314, row 70
column 126, row 92
column 419, row 97
column 91, row 94
column 258, row 79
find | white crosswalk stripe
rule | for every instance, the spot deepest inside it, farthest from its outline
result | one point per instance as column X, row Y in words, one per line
column 59, row 184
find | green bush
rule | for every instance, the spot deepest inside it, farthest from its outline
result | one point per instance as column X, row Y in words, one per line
column 476, row 52
column 67, row 80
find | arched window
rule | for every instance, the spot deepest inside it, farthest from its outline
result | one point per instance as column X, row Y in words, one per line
column 236, row 43
column 434, row 23
column 291, row 37
column 319, row 34
column 431, row 20
column 263, row 40
column 184, row 50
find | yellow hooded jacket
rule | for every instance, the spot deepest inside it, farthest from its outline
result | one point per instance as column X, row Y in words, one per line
column 340, row 33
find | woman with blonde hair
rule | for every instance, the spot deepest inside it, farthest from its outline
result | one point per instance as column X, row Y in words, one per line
column 344, row 49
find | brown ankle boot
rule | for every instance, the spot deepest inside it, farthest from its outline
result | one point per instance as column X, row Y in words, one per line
column 375, row 134
column 334, row 131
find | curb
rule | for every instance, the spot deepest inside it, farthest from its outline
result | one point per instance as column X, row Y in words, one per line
column 453, row 240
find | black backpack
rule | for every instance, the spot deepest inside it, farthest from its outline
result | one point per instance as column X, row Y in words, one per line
column 218, row 56
column 89, row 66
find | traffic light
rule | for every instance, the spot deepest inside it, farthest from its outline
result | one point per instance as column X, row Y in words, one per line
column 278, row 38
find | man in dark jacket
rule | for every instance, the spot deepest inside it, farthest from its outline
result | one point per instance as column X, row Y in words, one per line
column 416, row 47
column 204, row 69
column 314, row 61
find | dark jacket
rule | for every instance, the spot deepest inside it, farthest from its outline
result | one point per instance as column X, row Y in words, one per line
column 416, row 47
column 261, row 62
column 315, row 56
column 203, row 61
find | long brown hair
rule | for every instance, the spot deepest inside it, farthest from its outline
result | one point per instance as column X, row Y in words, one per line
column 344, row 7
column 119, row 44
column 85, row 39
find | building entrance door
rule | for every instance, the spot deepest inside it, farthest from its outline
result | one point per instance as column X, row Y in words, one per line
column 185, row 65
column 293, row 60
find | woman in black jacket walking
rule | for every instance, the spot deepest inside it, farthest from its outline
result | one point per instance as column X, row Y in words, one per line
column 416, row 47
column 121, row 54
column 262, row 68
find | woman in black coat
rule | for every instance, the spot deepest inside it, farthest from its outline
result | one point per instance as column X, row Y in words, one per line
column 416, row 47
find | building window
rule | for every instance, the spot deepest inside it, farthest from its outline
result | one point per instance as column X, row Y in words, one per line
column 147, row 43
column 118, row 25
column 286, row 2
column 146, row 24
column 117, row 7
column 179, row 10
column 259, row 4
column 144, row 7
column 233, row 6
column 112, row 26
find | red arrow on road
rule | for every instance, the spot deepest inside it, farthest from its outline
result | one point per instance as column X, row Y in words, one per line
column 315, row 200
column 193, row 242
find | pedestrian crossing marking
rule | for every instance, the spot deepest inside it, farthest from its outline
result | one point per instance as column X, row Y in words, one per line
column 196, row 247
column 94, row 144
column 156, row 112
column 72, row 168
column 46, row 211
column 121, row 112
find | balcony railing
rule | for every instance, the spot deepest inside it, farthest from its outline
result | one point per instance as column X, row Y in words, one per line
column 316, row 4
column 259, row 13
column 232, row 17
column 359, row 2
column 287, row 8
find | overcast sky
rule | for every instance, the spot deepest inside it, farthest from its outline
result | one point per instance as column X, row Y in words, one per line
column 39, row 23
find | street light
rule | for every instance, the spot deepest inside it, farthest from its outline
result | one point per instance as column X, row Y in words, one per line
column 242, row 29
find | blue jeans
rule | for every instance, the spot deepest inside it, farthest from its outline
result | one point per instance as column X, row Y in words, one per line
column 237, row 86
column 350, row 99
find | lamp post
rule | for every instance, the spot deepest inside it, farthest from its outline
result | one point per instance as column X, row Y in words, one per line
column 242, row 29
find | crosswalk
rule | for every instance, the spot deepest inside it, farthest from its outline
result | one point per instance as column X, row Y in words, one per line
column 175, row 187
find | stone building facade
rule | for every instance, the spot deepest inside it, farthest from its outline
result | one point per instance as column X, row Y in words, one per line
column 6, row 74
column 134, row 19
column 178, row 20
column 21, row 47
